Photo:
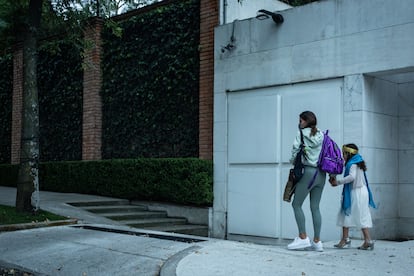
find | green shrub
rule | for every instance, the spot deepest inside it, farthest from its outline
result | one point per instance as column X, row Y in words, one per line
column 187, row 181
column 175, row 180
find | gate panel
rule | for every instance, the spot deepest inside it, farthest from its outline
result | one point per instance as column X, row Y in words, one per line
column 262, row 124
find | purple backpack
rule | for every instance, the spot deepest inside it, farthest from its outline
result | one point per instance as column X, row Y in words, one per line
column 330, row 158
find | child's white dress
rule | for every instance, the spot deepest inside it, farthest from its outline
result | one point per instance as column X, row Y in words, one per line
column 360, row 215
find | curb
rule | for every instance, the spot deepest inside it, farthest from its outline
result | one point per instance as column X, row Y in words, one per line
column 31, row 225
column 169, row 268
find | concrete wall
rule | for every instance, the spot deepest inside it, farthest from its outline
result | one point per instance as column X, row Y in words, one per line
column 378, row 116
column 405, row 160
column 371, row 121
column 367, row 44
column 380, row 141
column 317, row 41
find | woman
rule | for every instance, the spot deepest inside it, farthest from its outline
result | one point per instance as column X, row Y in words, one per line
column 356, row 198
column 313, row 139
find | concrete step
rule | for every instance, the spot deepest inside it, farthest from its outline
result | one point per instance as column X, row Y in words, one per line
column 100, row 203
column 134, row 215
column 188, row 229
column 139, row 216
column 114, row 208
column 150, row 222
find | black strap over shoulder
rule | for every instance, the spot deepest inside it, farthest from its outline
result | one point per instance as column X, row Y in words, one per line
column 298, row 167
column 302, row 143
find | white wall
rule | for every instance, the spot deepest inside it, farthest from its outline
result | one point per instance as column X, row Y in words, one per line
column 231, row 10
column 325, row 40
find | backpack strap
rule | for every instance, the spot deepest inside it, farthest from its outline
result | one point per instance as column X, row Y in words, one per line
column 317, row 167
column 313, row 178
column 302, row 143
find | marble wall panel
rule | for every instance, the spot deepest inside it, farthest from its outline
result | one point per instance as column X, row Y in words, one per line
column 385, row 229
column 406, row 228
column 381, row 164
column 353, row 127
column 406, row 135
column 380, row 131
column 405, row 163
column 406, row 201
column 406, row 99
column 353, row 93
column 386, row 199
column 381, row 96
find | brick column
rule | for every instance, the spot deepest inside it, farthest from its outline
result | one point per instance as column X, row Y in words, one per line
column 17, row 101
column 92, row 103
column 209, row 18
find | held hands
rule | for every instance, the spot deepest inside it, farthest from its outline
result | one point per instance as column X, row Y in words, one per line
column 332, row 180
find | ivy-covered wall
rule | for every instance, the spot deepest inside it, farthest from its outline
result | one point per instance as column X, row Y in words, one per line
column 6, row 92
column 150, row 90
column 150, row 84
column 60, row 101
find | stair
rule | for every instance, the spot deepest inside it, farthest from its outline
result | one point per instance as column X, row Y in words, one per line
column 139, row 216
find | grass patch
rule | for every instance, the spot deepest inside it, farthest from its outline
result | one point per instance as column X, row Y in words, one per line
column 9, row 215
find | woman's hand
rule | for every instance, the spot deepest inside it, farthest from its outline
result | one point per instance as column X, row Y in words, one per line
column 332, row 180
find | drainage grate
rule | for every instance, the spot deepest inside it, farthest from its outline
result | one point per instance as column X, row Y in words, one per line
column 141, row 234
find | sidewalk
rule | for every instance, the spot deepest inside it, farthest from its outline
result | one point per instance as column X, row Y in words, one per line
column 97, row 246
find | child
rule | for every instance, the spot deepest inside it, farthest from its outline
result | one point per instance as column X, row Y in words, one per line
column 356, row 198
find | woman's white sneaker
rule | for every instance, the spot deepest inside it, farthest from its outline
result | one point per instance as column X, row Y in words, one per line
column 299, row 243
column 317, row 246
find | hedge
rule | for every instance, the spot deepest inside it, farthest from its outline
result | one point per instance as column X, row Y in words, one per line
column 187, row 181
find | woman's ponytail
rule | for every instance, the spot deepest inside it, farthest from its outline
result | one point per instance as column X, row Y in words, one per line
column 310, row 118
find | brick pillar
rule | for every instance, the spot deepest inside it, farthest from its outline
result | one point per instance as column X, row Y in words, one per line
column 92, row 103
column 17, row 101
column 209, row 18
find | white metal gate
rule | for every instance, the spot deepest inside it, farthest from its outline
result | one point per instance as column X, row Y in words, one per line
column 262, row 124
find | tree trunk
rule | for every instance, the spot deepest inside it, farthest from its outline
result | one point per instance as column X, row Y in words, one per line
column 27, row 198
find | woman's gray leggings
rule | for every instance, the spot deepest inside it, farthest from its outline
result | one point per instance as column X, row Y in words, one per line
column 301, row 192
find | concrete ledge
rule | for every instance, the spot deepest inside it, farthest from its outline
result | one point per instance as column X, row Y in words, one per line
column 22, row 226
